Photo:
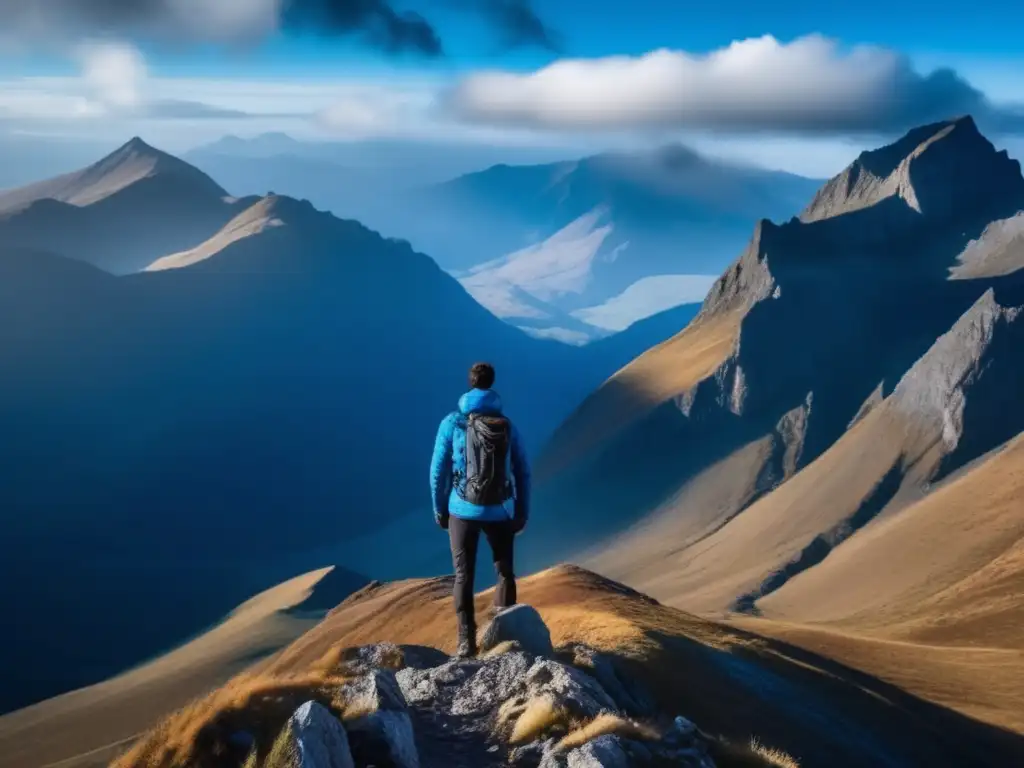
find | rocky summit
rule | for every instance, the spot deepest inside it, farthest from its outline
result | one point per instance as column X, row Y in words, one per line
column 511, row 706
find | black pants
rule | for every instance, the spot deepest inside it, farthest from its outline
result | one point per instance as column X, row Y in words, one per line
column 465, row 539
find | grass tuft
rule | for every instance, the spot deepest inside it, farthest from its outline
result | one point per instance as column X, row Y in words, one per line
column 604, row 724
column 501, row 648
column 283, row 754
column 773, row 757
column 539, row 718
column 727, row 754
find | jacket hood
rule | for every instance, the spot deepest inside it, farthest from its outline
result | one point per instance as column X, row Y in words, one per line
column 480, row 401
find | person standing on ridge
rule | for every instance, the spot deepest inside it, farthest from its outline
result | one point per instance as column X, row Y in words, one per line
column 480, row 483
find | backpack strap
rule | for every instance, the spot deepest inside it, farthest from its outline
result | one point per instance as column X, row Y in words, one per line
column 461, row 421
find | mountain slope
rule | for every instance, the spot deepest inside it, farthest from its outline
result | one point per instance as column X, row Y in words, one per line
column 947, row 568
column 254, row 398
column 941, row 415
column 90, row 726
column 828, row 314
column 119, row 214
column 131, row 164
column 729, row 682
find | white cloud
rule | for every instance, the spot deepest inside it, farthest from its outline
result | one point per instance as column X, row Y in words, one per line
column 114, row 73
column 113, row 84
column 811, row 85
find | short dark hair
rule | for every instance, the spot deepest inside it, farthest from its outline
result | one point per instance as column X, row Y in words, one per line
column 481, row 376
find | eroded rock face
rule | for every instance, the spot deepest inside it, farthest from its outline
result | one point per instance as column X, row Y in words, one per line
column 939, row 387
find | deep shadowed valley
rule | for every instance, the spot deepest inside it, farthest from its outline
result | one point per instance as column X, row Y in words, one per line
column 272, row 388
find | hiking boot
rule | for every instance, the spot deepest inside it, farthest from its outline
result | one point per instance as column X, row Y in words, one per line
column 466, row 648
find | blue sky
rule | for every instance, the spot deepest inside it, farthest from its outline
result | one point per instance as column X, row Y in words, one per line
column 830, row 79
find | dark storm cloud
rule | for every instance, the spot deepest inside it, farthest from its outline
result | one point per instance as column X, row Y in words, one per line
column 375, row 20
column 377, row 23
column 518, row 24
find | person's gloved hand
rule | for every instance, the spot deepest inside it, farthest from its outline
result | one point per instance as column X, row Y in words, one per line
column 442, row 520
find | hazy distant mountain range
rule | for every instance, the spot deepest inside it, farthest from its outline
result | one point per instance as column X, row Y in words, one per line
column 571, row 249
column 270, row 383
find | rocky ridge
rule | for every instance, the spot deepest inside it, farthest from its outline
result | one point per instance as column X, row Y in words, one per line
column 519, row 703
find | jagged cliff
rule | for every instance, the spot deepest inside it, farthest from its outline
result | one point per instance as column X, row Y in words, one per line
column 825, row 314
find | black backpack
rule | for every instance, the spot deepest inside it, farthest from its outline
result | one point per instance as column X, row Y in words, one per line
column 488, row 443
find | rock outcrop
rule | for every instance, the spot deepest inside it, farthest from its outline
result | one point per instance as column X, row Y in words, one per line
column 380, row 728
column 522, row 624
column 565, row 709
column 313, row 738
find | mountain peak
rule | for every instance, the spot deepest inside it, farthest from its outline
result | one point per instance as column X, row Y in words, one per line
column 936, row 169
column 129, row 164
column 137, row 144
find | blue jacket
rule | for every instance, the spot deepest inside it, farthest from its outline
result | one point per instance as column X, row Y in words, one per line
column 450, row 456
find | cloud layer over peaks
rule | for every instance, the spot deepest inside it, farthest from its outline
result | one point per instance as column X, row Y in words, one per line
column 376, row 23
column 809, row 86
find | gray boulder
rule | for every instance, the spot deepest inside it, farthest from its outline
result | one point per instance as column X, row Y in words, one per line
column 425, row 685
column 603, row 752
column 381, row 731
column 494, row 682
column 522, row 624
column 579, row 693
column 613, row 751
column 320, row 739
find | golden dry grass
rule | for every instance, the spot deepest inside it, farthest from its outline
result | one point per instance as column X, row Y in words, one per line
column 683, row 660
column 772, row 757
column 88, row 727
column 500, row 649
column 688, row 664
column 928, row 598
column 948, row 569
column 750, row 755
column 708, row 576
column 605, row 724
column 283, row 754
column 540, row 718
column 986, row 684
column 197, row 734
